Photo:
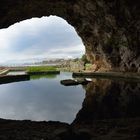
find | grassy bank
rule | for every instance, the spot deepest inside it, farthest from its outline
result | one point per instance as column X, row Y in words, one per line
column 41, row 68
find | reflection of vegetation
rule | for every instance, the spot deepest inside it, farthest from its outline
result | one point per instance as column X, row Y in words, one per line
column 51, row 76
column 41, row 68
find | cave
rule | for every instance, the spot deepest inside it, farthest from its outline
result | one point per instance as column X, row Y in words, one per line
column 109, row 29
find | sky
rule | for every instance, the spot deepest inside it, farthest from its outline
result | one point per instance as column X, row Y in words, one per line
column 37, row 39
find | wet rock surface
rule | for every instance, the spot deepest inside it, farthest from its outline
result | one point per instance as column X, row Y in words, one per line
column 68, row 82
column 71, row 82
column 110, row 30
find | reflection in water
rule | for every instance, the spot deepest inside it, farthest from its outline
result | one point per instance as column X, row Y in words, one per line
column 50, row 76
column 110, row 110
column 44, row 98
column 41, row 99
column 110, row 99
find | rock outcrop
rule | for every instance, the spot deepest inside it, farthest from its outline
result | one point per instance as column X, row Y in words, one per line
column 110, row 29
column 73, row 65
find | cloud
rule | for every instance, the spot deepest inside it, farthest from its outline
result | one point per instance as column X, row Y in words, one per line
column 46, row 37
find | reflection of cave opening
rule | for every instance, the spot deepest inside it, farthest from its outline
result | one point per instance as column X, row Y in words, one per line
column 38, row 39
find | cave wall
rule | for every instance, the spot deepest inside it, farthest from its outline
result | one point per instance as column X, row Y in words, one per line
column 110, row 29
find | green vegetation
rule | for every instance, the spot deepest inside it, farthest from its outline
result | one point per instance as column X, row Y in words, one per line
column 88, row 66
column 84, row 59
column 41, row 68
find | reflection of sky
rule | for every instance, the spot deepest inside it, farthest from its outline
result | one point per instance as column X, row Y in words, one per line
column 43, row 99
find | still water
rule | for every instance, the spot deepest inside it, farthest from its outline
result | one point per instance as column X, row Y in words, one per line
column 110, row 99
column 41, row 98
column 44, row 98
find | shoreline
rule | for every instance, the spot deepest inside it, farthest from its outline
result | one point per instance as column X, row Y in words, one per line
column 108, row 75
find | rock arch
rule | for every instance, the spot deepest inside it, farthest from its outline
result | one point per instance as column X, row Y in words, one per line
column 110, row 29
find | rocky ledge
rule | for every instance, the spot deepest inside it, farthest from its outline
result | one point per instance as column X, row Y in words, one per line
column 118, row 129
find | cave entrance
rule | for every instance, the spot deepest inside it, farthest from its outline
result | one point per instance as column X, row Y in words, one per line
column 38, row 39
column 42, row 97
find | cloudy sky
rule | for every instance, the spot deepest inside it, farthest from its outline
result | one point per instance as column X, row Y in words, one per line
column 39, row 38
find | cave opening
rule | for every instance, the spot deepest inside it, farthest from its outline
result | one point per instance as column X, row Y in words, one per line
column 41, row 97
column 39, row 39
